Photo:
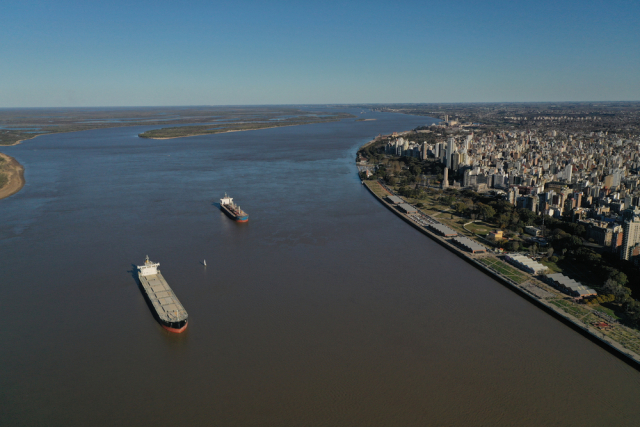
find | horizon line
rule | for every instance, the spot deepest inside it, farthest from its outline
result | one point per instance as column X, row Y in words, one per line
column 324, row 104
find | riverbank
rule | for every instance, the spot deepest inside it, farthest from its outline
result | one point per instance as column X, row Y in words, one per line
column 216, row 133
column 11, row 176
column 618, row 339
column 198, row 130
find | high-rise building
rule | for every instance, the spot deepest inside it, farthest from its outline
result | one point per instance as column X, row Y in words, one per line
column 468, row 139
column 450, row 149
column 630, row 237
column 512, row 195
column 440, row 151
column 608, row 181
column 455, row 161
column 424, row 151
column 628, row 201
column 568, row 170
column 528, row 202
column 617, row 174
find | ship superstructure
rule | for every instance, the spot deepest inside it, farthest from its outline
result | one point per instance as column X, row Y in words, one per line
column 232, row 210
column 170, row 312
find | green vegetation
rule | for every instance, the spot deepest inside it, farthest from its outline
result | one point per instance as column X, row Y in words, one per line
column 549, row 263
column 4, row 179
column 376, row 188
column 566, row 253
column 571, row 308
column 480, row 228
column 504, row 269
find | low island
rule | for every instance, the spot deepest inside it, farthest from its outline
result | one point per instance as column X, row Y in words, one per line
column 244, row 125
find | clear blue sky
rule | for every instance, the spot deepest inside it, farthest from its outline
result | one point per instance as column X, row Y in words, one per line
column 122, row 53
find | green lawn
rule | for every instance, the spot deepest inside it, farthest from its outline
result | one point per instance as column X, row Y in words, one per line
column 376, row 188
column 504, row 269
column 480, row 228
column 606, row 310
column 570, row 307
column 551, row 265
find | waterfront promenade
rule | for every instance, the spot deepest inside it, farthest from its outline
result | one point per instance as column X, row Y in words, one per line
column 620, row 340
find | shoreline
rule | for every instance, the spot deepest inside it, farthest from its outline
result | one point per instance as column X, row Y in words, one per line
column 15, row 174
column 588, row 331
column 214, row 133
column 226, row 131
column 28, row 139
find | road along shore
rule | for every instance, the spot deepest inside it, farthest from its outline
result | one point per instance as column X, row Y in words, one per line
column 14, row 172
column 533, row 290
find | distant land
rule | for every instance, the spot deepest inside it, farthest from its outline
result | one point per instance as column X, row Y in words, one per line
column 244, row 125
column 21, row 124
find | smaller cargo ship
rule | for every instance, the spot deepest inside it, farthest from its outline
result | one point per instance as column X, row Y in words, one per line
column 232, row 210
column 171, row 314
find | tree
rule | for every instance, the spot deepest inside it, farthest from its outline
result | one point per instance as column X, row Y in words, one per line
column 620, row 292
column 619, row 277
column 503, row 220
column 448, row 199
column 513, row 246
column 487, row 212
column 460, row 207
column 632, row 311
column 575, row 241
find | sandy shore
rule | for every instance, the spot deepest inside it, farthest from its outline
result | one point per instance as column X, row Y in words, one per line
column 22, row 140
column 15, row 173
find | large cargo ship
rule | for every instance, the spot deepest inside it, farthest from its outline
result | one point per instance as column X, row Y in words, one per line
column 232, row 210
column 171, row 314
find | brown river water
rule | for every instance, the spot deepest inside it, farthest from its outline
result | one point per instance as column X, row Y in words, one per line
column 323, row 310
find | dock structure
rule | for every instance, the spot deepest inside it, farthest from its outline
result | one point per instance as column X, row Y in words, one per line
column 469, row 244
column 407, row 208
column 394, row 200
column 442, row 230
column 525, row 264
column 569, row 286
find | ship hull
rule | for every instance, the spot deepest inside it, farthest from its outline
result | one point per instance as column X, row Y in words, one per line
column 237, row 218
column 165, row 306
column 175, row 327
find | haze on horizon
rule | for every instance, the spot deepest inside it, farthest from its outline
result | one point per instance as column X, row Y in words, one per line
column 143, row 53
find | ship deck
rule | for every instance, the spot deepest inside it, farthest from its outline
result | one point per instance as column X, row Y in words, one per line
column 234, row 210
column 162, row 298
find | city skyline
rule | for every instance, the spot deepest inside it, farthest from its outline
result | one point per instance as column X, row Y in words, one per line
column 152, row 54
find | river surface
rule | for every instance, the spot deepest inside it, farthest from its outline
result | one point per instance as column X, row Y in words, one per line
column 324, row 310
